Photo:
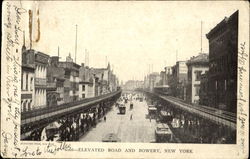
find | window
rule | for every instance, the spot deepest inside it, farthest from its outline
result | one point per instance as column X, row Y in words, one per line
column 31, row 83
column 29, row 108
column 197, row 75
column 197, row 90
column 27, row 82
column 225, row 85
column 24, row 106
column 83, row 87
column 83, row 95
column 22, row 81
column 21, row 105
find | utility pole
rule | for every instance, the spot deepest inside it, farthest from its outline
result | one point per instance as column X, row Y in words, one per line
column 76, row 44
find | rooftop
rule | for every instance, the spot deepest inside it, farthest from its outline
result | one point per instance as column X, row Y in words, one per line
column 201, row 58
column 222, row 24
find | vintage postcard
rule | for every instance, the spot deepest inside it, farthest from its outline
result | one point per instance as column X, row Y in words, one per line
column 125, row 79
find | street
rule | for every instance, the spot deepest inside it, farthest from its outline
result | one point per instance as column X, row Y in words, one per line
column 137, row 129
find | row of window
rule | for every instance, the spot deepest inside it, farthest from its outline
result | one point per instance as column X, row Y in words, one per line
column 198, row 75
column 27, row 85
column 222, row 64
column 26, row 105
column 223, row 86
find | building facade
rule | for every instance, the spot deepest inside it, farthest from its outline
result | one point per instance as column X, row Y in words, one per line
column 154, row 80
column 71, row 76
column 168, row 71
column 55, row 83
column 87, row 82
column 196, row 67
column 163, row 76
column 223, row 55
column 131, row 85
column 27, row 81
column 203, row 95
column 41, row 64
column 177, row 80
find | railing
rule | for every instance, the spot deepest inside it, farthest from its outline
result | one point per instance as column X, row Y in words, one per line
column 46, row 110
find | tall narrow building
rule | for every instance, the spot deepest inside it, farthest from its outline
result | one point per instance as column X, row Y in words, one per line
column 223, row 55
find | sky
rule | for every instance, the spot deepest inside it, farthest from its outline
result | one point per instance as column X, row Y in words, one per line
column 133, row 36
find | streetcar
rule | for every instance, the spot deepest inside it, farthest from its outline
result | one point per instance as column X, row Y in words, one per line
column 163, row 133
column 122, row 109
column 152, row 110
column 51, row 132
column 165, row 116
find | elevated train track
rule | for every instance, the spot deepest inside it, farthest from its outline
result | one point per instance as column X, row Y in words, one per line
column 40, row 117
column 216, row 115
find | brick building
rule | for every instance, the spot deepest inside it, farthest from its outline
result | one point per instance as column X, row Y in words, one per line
column 178, row 79
column 86, row 82
column 71, row 76
column 222, row 77
column 55, row 82
column 203, row 94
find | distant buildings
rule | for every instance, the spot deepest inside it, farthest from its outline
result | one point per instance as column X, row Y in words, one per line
column 222, row 76
column 132, row 85
column 163, row 78
column 55, row 82
column 48, row 82
column 106, row 79
column 196, row 67
column 168, row 71
column 71, row 76
column 154, row 80
column 178, row 79
column 86, row 82
column 209, row 80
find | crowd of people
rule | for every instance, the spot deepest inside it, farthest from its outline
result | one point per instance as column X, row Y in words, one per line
column 193, row 129
column 74, row 127
column 69, row 128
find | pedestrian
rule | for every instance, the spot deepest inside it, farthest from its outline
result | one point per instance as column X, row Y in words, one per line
column 104, row 118
column 131, row 117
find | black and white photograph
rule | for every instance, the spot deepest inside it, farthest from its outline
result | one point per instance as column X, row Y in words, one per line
column 124, row 72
